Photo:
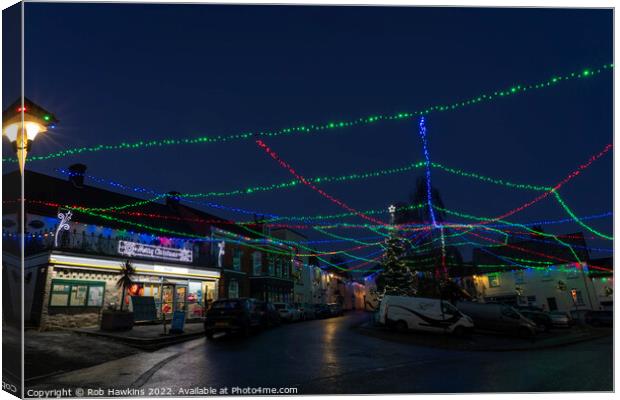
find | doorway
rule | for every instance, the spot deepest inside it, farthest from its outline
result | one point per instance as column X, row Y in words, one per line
column 553, row 305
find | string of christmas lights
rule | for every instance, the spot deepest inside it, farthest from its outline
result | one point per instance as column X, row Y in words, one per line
column 577, row 220
column 568, row 178
column 332, row 126
column 303, row 180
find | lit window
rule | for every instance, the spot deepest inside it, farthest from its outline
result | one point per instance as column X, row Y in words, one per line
column 233, row 289
column 237, row 254
column 494, row 280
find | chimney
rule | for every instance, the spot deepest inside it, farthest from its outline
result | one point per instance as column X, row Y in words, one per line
column 76, row 175
column 173, row 199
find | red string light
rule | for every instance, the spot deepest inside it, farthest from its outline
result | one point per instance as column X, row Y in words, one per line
column 555, row 188
column 303, row 180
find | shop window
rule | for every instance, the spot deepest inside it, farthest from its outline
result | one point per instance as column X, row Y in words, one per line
column 195, row 300
column 237, row 254
column 257, row 263
column 60, row 295
column 494, row 280
column 95, row 296
column 76, row 293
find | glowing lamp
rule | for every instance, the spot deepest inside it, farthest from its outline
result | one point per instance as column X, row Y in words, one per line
column 21, row 124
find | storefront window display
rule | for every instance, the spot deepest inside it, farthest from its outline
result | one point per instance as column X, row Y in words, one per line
column 66, row 293
column 167, row 299
column 195, row 300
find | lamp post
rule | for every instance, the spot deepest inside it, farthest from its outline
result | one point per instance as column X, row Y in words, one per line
column 21, row 124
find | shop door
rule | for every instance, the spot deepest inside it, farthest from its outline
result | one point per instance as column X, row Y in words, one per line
column 180, row 298
column 167, row 299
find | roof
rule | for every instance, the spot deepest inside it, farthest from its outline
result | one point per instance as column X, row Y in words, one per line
column 44, row 194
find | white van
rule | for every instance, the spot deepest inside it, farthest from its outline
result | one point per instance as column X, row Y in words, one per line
column 424, row 314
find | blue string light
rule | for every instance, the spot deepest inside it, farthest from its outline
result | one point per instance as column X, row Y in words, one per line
column 137, row 189
column 427, row 157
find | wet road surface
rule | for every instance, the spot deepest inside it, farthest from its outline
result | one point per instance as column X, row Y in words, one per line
column 329, row 356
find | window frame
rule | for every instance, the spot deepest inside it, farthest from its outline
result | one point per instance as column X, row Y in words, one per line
column 71, row 283
column 493, row 277
column 237, row 259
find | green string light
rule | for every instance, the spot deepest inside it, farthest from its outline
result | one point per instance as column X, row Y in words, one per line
column 576, row 218
column 331, row 179
column 329, row 126
column 513, row 224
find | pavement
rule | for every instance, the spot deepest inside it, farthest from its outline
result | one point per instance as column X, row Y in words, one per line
column 54, row 352
column 147, row 337
column 332, row 356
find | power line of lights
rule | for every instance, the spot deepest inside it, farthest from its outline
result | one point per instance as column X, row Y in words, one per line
column 331, row 126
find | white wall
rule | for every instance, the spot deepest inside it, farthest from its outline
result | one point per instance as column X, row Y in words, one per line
column 543, row 285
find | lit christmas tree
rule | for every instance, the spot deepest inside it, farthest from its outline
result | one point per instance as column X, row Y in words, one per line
column 396, row 279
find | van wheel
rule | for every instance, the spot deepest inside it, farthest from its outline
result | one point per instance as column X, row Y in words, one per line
column 401, row 326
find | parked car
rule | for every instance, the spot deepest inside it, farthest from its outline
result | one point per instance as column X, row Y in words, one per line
column 232, row 316
column 528, row 308
column 322, row 311
column 498, row 317
column 418, row 313
column 542, row 320
column 578, row 316
column 561, row 319
column 335, row 310
column 307, row 311
column 599, row 318
column 268, row 314
column 287, row 312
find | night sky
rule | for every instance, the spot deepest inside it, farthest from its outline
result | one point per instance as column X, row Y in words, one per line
column 113, row 73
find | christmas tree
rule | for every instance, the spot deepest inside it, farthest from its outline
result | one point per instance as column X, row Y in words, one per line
column 396, row 279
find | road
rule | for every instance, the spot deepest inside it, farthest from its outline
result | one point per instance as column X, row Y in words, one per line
column 328, row 356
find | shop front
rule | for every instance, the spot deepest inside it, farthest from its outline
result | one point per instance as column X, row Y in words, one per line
column 78, row 288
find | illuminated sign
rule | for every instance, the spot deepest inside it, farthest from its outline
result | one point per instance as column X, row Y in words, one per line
column 133, row 249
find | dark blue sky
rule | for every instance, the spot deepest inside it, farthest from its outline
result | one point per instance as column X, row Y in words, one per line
column 114, row 72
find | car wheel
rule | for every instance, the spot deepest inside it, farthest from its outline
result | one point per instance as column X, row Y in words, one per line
column 525, row 333
column 401, row 326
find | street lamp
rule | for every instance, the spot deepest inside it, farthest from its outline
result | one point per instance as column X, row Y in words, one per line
column 21, row 123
